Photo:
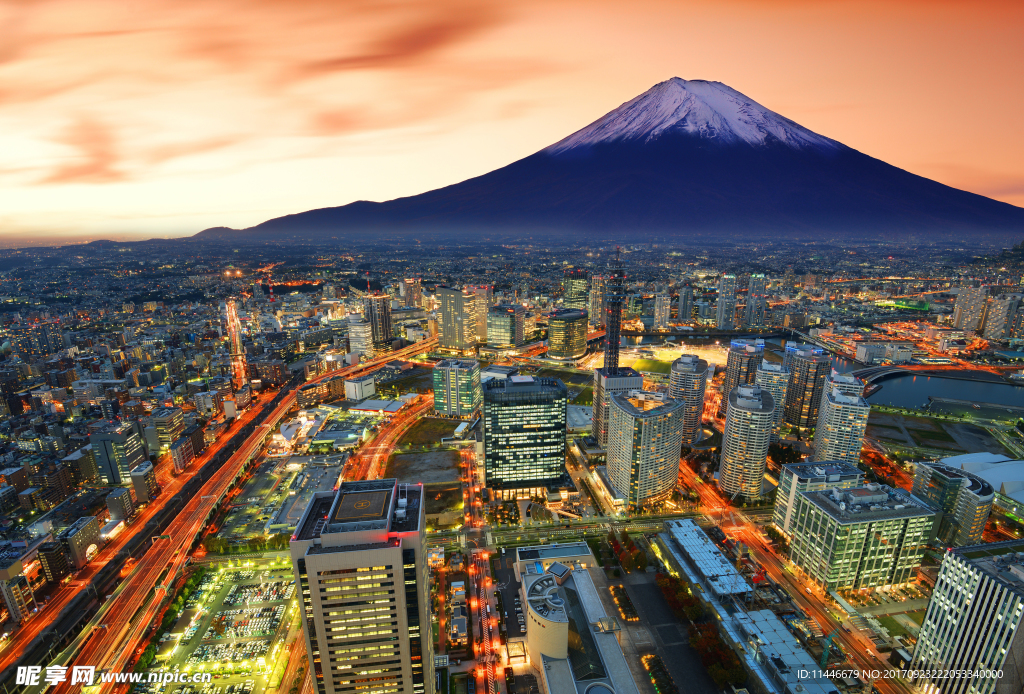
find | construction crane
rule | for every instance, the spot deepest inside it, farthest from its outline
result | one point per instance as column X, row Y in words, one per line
column 238, row 366
column 759, row 577
column 828, row 647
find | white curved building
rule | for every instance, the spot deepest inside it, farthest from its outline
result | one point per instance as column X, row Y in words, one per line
column 644, row 441
column 749, row 421
column 688, row 382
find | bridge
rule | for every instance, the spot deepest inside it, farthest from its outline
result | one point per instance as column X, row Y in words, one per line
column 874, row 374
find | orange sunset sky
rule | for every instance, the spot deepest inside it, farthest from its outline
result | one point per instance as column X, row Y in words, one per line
column 143, row 118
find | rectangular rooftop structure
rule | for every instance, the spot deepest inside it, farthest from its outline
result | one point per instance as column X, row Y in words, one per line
column 719, row 573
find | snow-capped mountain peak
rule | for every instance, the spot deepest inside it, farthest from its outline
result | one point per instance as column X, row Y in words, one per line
column 710, row 110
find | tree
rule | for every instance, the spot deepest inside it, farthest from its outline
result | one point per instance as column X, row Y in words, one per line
column 626, row 561
column 640, row 560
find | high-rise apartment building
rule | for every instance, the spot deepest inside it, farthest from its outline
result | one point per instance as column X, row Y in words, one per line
column 1000, row 315
column 963, row 499
column 684, row 306
column 757, row 302
column 749, row 420
column 360, row 336
column 120, row 504
column 847, row 384
column 33, row 342
column 116, row 448
column 377, row 312
column 662, row 311
column 725, row 315
column 482, row 298
column 969, row 308
column 596, row 312
column 740, row 367
column 506, row 326
column 457, row 387
column 842, row 421
column 567, row 334
column 973, row 623
column 143, row 478
column 808, row 367
column 413, row 292
column 796, row 478
column 524, row 433
column 688, row 382
column 360, row 564
column 574, row 289
column 864, row 537
column 644, row 441
column 774, row 378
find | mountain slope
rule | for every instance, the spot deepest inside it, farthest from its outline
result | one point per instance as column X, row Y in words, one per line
column 685, row 157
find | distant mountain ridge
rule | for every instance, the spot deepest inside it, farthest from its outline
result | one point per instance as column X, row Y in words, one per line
column 684, row 158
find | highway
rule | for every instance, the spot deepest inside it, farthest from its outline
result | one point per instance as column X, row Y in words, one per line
column 372, row 460
column 170, row 485
column 127, row 615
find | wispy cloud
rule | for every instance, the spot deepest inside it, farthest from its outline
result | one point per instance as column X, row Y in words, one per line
column 97, row 158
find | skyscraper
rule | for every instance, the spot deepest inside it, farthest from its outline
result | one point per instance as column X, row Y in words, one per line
column 413, row 292
column 360, row 336
column 506, row 325
column 457, row 387
column 740, row 367
column 725, row 316
column 973, row 622
column 457, row 326
column 611, row 379
column 774, row 378
column 662, row 311
column 688, row 382
column 842, row 421
column 969, row 308
column 567, row 334
column 757, row 302
column 745, row 440
column 574, row 288
column 645, row 436
column 117, row 448
column 684, row 309
column 847, row 384
column 377, row 312
column 596, row 300
column 963, row 499
column 483, row 296
column 808, row 367
column 360, row 564
column 169, row 423
column 524, row 434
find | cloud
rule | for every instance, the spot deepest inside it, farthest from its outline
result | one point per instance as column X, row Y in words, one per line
column 98, row 156
column 423, row 38
column 163, row 153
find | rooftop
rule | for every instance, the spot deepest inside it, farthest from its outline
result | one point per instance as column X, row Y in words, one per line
column 1001, row 560
column 751, row 398
column 555, row 551
column 361, row 506
column 718, row 571
column 826, row 470
column 872, row 502
column 690, row 363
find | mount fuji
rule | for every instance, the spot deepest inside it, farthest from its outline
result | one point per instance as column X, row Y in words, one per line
column 687, row 158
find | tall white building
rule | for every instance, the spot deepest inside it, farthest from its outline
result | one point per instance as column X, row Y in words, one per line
column 749, row 420
column 725, row 316
column 847, row 384
column 606, row 384
column 645, row 436
column 360, row 336
column 973, row 622
column 969, row 309
column 842, row 421
column 688, row 383
column 757, row 301
column 662, row 311
column 360, row 564
column 774, row 378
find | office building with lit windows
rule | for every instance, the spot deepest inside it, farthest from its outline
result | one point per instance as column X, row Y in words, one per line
column 567, row 334
column 377, row 312
column 973, row 622
column 457, row 387
column 506, row 326
column 524, row 433
column 574, row 288
column 810, row 477
column 360, row 566
column 865, row 537
column 963, row 499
